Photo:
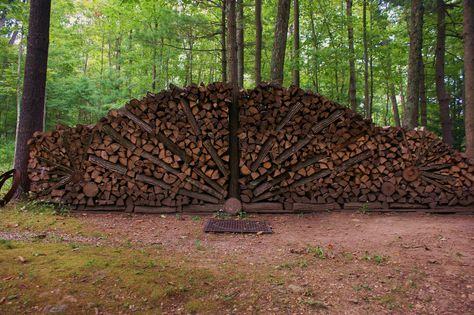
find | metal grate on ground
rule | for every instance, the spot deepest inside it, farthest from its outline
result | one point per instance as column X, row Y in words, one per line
column 237, row 226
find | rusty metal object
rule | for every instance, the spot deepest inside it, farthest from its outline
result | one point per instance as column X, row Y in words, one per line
column 411, row 173
column 15, row 174
column 237, row 226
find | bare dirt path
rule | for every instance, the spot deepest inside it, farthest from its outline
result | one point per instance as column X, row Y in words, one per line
column 341, row 263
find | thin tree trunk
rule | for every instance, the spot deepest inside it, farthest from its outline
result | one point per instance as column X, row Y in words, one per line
column 423, row 101
column 279, row 44
column 441, row 93
column 223, row 42
column 316, row 47
column 18, row 77
column 153, row 70
column 352, row 74
column 234, row 155
column 296, row 43
column 366, row 61
column 240, row 41
column 469, row 75
column 416, row 40
column 33, row 100
column 258, row 41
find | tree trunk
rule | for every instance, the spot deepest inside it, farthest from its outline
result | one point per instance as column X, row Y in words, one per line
column 223, row 43
column 443, row 97
column 316, row 48
column 240, row 41
column 234, row 153
column 393, row 97
column 352, row 74
column 416, row 40
column 33, row 100
column 279, row 44
column 366, row 62
column 423, row 100
column 18, row 77
column 296, row 43
column 469, row 75
column 258, row 41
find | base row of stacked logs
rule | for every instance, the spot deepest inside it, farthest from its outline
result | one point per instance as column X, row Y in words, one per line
column 299, row 150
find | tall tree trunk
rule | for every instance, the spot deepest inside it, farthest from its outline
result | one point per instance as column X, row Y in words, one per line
column 279, row 44
column 33, row 100
column 423, row 100
column 469, row 75
column 240, row 41
column 153, row 70
column 443, row 97
column 258, row 41
column 234, row 155
column 393, row 97
column 352, row 74
column 366, row 61
column 18, row 76
column 296, row 43
column 316, row 47
column 416, row 40
column 223, row 42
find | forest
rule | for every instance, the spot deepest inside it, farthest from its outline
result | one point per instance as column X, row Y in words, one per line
column 102, row 53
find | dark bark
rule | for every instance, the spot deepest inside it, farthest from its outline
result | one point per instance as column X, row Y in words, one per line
column 234, row 155
column 240, row 41
column 366, row 62
column 441, row 93
column 296, row 43
column 279, row 44
column 469, row 75
column 352, row 74
column 423, row 100
column 314, row 38
column 416, row 40
column 393, row 97
column 33, row 100
column 223, row 43
column 258, row 41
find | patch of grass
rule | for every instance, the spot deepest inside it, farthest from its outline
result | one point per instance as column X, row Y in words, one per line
column 317, row 251
column 221, row 215
column 7, row 244
column 243, row 215
column 364, row 208
column 362, row 286
column 389, row 300
column 301, row 263
column 39, row 217
column 105, row 276
column 378, row 259
column 196, row 218
column 198, row 245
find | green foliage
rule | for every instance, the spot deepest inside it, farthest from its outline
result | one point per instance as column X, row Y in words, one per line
column 105, row 52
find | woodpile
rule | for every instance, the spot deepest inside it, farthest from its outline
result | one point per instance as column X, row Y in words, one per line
column 169, row 149
column 301, row 148
column 299, row 152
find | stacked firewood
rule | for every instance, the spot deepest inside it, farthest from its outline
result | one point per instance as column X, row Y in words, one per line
column 169, row 151
column 299, row 147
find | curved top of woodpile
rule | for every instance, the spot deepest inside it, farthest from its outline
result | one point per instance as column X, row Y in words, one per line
column 170, row 149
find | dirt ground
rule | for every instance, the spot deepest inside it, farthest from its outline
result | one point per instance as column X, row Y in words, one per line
column 329, row 263
column 405, row 263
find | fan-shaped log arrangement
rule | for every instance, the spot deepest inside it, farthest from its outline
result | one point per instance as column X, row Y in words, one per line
column 299, row 152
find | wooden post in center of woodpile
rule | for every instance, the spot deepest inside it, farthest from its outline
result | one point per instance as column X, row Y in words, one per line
column 234, row 152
